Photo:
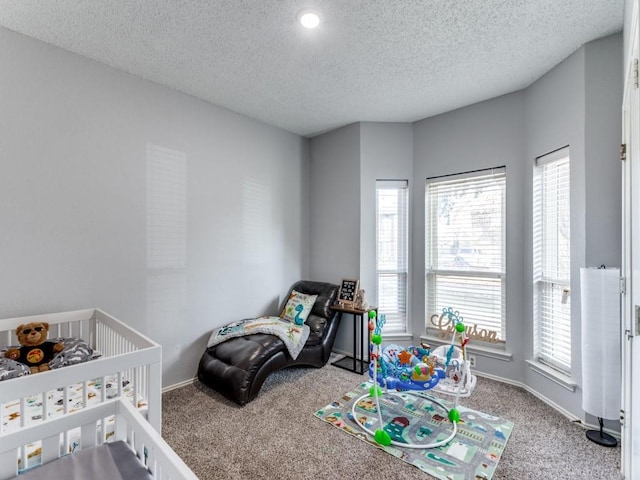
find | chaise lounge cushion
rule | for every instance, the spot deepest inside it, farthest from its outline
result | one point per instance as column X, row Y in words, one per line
column 238, row 367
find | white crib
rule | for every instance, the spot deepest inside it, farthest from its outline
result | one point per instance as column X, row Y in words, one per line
column 150, row 449
column 127, row 356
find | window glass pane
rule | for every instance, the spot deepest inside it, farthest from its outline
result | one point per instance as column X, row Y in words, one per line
column 469, row 225
column 392, row 293
column 465, row 231
column 552, row 262
column 392, row 252
column 478, row 299
column 553, row 328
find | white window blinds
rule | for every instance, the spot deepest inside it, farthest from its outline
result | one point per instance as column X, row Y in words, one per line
column 551, row 260
column 392, row 252
column 465, row 248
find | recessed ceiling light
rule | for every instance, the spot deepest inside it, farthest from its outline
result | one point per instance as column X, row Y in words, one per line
column 309, row 18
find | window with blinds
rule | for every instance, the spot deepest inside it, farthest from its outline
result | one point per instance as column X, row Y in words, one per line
column 392, row 252
column 551, row 260
column 465, row 249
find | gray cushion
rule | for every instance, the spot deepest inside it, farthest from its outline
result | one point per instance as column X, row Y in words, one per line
column 11, row 369
column 75, row 351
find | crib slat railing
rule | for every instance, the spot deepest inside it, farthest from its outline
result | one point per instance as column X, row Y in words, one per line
column 156, row 471
column 103, row 389
column 8, row 464
column 137, row 446
column 119, row 386
column 57, row 323
column 65, row 399
column 85, row 394
column 65, row 410
column 50, row 445
column 50, row 448
column 145, row 382
column 6, row 338
column 136, row 386
column 88, row 435
column 23, row 456
column 66, row 448
column 45, row 406
column 139, row 379
column 23, row 409
column 23, row 417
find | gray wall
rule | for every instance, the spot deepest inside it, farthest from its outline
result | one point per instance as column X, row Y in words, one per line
column 484, row 135
column 387, row 154
column 345, row 165
column 335, row 209
column 555, row 113
column 603, row 127
column 578, row 104
column 91, row 213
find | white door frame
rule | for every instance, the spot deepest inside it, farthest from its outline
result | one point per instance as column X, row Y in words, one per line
column 630, row 430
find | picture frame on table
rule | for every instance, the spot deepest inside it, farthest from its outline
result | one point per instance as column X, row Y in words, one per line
column 348, row 291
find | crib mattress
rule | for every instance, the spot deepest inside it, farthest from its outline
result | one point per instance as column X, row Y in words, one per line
column 110, row 461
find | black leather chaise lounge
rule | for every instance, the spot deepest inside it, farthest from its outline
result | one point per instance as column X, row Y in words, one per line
column 238, row 367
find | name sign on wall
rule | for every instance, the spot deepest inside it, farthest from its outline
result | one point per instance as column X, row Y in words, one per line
column 348, row 290
column 445, row 324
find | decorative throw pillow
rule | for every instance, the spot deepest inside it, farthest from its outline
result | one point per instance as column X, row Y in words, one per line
column 75, row 351
column 12, row 369
column 298, row 307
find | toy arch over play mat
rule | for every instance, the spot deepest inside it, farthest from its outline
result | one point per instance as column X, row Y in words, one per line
column 416, row 369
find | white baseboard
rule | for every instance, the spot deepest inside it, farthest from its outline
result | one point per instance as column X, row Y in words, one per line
column 549, row 402
column 533, row 392
column 179, row 385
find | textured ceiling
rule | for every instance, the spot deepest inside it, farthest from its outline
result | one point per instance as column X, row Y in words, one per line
column 370, row 60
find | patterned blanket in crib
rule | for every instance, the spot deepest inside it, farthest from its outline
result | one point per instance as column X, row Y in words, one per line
column 294, row 336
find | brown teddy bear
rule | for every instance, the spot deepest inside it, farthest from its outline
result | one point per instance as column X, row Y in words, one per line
column 35, row 351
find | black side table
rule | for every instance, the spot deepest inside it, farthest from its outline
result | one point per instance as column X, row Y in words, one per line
column 355, row 364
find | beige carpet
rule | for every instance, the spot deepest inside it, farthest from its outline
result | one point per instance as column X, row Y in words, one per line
column 277, row 437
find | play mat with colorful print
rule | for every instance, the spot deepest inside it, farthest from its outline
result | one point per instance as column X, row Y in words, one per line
column 411, row 417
